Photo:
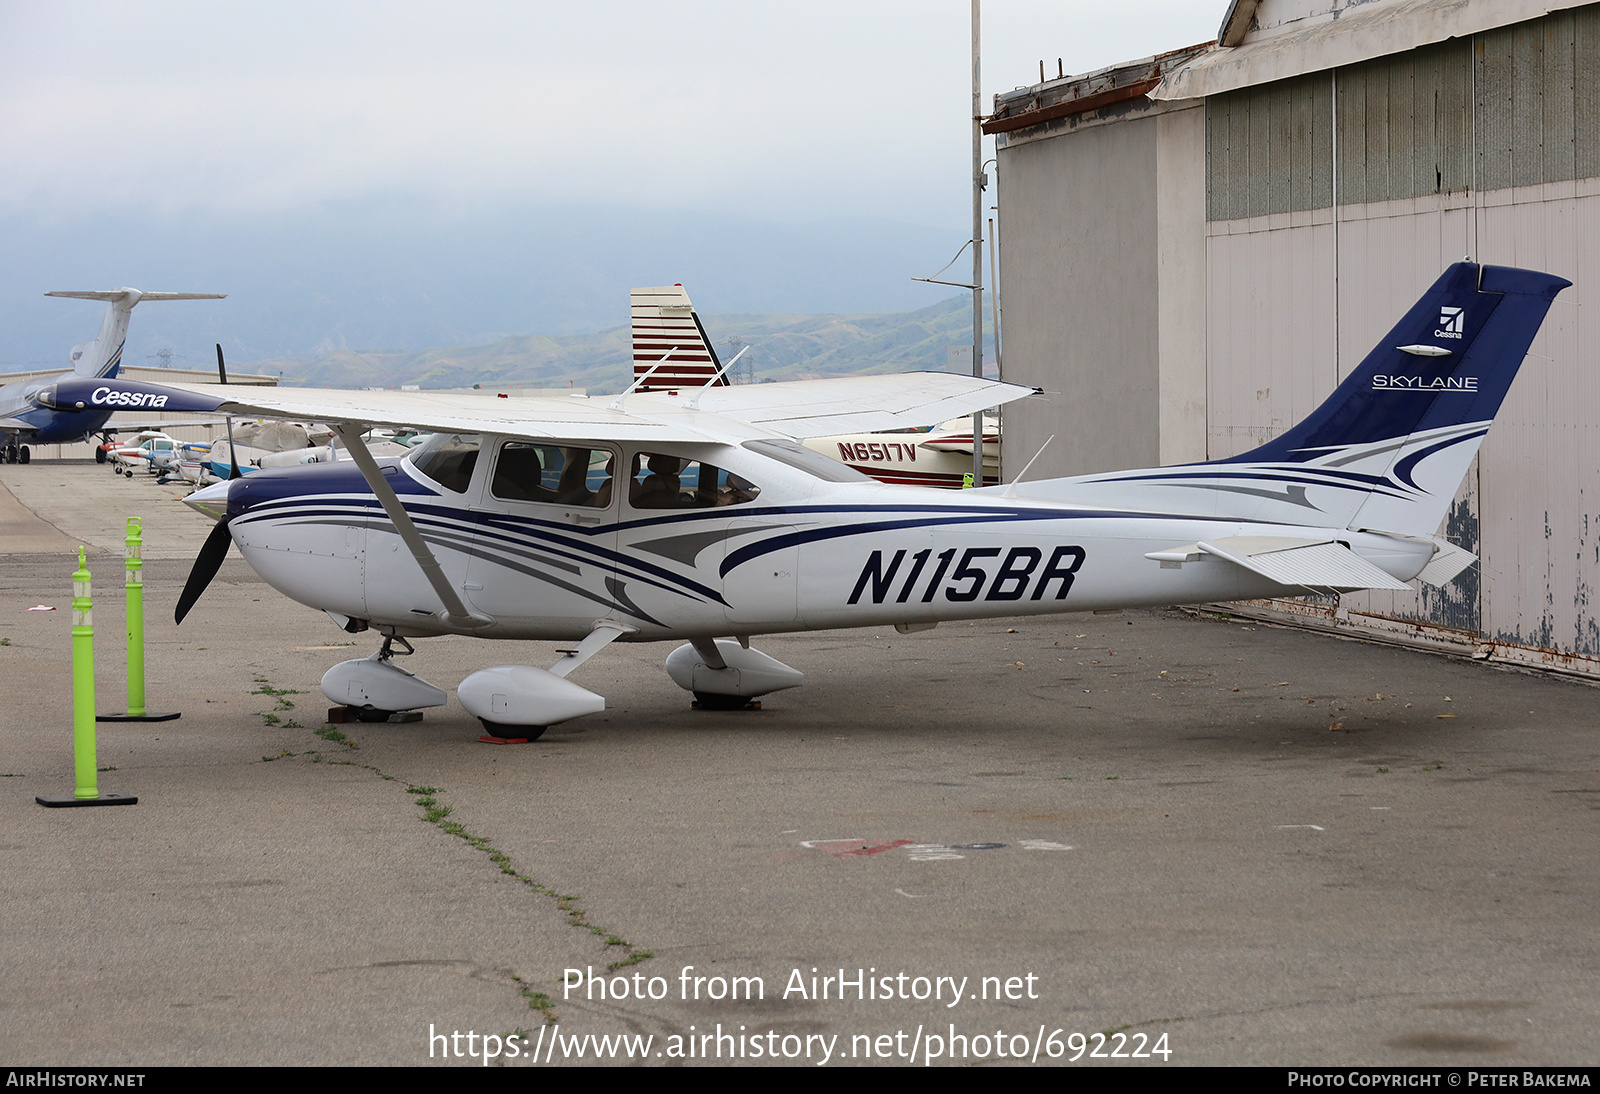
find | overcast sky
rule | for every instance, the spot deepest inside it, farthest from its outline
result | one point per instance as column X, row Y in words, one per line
column 181, row 143
column 789, row 111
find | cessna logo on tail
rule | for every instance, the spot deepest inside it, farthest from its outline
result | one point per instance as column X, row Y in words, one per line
column 1452, row 322
column 968, row 579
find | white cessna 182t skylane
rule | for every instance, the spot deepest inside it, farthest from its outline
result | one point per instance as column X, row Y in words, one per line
column 696, row 515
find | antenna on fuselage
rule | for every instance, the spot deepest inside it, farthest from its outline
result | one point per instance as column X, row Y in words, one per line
column 1011, row 490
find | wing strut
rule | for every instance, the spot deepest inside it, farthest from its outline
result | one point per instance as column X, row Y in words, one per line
column 606, row 631
column 455, row 612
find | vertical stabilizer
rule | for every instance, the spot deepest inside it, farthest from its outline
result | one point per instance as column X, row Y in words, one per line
column 102, row 356
column 1407, row 422
column 1387, row 450
column 663, row 319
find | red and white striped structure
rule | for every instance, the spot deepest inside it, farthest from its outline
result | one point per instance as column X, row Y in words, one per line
column 663, row 319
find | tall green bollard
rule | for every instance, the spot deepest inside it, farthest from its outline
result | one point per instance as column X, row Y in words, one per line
column 133, row 585
column 87, row 791
column 83, row 683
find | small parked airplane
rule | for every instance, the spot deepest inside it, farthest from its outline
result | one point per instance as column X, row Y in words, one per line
column 149, row 450
column 696, row 514
column 22, row 416
column 940, row 457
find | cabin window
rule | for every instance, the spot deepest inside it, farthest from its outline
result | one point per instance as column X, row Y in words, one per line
column 660, row 481
column 448, row 459
column 570, row 475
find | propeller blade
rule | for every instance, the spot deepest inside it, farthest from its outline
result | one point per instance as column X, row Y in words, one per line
column 206, row 565
column 233, row 458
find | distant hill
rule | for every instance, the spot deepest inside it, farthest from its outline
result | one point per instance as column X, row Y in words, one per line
column 783, row 347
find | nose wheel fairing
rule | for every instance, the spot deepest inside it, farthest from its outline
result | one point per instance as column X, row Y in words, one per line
column 376, row 685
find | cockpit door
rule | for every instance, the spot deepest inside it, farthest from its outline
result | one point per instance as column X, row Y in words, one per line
column 543, row 556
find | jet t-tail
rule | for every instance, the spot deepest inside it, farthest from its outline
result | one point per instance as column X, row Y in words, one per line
column 24, row 417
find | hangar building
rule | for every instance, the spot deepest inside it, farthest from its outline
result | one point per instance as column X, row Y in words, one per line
column 1196, row 248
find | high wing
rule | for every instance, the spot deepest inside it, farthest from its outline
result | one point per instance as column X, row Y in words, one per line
column 802, row 408
column 859, row 404
column 556, row 418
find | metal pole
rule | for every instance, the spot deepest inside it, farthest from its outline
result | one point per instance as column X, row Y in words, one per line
column 977, row 245
column 994, row 300
column 994, row 321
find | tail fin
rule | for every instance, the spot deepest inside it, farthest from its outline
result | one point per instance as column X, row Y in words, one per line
column 664, row 322
column 1388, row 449
column 102, row 356
column 1407, row 422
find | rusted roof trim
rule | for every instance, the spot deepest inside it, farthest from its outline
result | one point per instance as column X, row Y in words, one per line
column 1072, row 106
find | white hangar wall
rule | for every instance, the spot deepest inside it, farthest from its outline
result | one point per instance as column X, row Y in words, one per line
column 1103, row 265
column 1327, row 203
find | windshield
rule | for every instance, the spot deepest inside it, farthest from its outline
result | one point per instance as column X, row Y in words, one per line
column 448, row 459
column 801, row 458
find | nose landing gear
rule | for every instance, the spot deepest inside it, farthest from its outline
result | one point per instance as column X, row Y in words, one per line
column 375, row 689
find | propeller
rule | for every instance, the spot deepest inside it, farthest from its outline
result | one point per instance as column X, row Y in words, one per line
column 206, row 565
column 215, row 548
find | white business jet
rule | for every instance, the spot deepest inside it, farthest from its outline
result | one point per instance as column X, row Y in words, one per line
column 695, row 513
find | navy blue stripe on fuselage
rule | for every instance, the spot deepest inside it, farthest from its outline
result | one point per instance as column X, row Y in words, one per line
column 812, row 535
column 434, row 521
column 924, row 516
column 1364, row 484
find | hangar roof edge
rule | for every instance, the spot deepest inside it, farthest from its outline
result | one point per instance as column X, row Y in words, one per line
column 1350, row 36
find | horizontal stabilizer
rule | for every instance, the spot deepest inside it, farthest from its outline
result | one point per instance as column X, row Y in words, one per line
column 1302, row 563
column 1449, row 561
column 119, row 294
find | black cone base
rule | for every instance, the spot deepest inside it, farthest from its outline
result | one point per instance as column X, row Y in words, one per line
column 136, row 717
column 67, row 801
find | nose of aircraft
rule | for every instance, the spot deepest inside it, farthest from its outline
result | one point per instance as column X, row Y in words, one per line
column 212, row 501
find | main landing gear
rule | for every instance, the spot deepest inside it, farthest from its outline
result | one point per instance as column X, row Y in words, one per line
column 724, row 674
column 15, row 452
column 375, row 689
column 519, row 702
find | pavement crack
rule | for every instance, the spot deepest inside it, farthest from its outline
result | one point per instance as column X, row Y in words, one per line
column 438, row 814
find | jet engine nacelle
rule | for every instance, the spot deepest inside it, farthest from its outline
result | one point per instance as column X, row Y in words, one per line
column 748, row 673
column 521, row 695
